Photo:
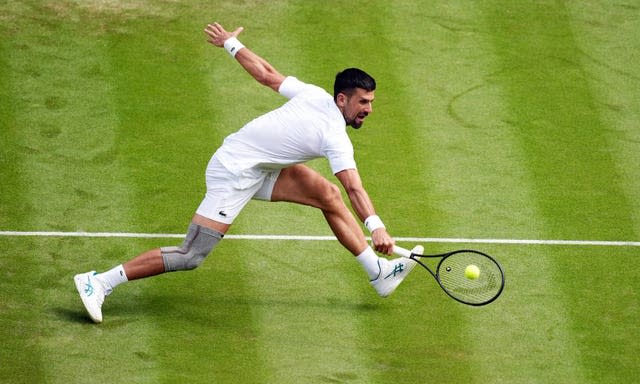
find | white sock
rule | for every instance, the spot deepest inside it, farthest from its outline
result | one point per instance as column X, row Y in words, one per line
column 113, row 277
column 369, row 261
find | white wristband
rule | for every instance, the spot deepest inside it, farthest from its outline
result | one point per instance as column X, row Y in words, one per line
column 373, row 222
column 233, row 45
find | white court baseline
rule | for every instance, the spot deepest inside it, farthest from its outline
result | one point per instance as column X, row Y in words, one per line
column 329, row 238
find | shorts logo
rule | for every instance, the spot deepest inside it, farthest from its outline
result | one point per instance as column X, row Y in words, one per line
column 222, row 213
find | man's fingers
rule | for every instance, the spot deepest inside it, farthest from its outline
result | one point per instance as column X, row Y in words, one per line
column 214, row 29
column 210, row 30
column 383, row 243
column 218, row 34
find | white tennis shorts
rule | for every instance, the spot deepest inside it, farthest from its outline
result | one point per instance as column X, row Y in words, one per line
column 228, row 193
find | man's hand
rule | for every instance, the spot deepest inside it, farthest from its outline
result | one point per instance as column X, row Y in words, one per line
column 218, row 35
column 382, row 241
column 257, row 67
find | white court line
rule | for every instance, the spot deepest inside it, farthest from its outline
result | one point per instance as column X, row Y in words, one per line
column 329, row 238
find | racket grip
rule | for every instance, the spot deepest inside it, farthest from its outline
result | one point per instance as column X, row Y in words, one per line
column 401, row 251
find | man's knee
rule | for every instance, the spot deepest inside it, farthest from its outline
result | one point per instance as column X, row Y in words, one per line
column 330, row 196
column 198, row 243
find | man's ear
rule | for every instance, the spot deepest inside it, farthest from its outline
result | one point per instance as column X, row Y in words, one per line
column 341, row 99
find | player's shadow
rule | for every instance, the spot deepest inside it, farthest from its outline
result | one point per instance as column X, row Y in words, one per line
column 119, row 307
column 72, row 315
column 158, row 305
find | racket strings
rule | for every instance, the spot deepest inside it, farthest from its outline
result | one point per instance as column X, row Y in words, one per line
column 483, row 289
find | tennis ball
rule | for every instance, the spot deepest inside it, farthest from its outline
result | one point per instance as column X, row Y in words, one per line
column 472, row 272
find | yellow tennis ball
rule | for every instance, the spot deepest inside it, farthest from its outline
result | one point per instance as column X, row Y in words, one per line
column 472, row 272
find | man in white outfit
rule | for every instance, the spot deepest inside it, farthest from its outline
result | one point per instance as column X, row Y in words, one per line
column 263, row 160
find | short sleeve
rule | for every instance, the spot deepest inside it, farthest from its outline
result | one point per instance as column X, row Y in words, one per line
column 339, row 151
column 291, row 87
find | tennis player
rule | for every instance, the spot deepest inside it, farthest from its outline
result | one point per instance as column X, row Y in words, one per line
column 264, row 161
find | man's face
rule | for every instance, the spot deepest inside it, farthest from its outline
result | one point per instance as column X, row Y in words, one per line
column 355, row 107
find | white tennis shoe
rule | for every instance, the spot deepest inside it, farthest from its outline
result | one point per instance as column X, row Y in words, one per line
column 392, row 272
column 92, row 292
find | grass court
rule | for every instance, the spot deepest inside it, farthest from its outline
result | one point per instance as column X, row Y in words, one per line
column 497, row 119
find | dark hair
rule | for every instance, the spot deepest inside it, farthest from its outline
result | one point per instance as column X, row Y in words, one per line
column 350, row 79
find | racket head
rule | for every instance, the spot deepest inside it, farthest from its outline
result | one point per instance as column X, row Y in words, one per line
column 482, row 290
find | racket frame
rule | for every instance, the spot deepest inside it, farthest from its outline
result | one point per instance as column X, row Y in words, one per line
column 443, row 256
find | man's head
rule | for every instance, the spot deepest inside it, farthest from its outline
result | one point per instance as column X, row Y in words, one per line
column 353, row 93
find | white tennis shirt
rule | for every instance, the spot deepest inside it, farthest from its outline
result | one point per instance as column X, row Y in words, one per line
column 308, row 126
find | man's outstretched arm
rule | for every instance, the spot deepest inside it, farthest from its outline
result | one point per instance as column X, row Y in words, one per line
column 257, row 67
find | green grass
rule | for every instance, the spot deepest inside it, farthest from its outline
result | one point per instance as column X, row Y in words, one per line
column 494, row 119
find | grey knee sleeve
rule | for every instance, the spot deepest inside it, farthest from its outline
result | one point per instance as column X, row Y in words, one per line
column 196, row 246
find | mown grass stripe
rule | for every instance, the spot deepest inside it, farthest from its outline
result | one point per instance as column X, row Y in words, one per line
column 413, row 52
column 66, row 154
column 287, row 35
column 615, row 83
column 552, row 108
column 20, row 357
column 78, row 159
column 169, row 127
column 608, row 74
column 555, row 110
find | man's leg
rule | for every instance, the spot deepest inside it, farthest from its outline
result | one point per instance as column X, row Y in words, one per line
column 151, row 263
column 202, row 236
column 301, row 184
column 222, row 201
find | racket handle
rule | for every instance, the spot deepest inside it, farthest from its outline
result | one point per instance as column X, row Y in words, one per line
column 401, row 251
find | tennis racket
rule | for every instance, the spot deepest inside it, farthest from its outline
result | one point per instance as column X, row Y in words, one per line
column 470, row 277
